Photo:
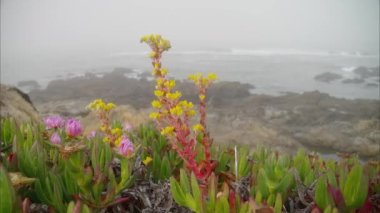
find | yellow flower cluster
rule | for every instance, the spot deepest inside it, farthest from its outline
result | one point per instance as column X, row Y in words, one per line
column 173, row 96
column 199, row 80
column 177, row 111
column 147, row 160
column 198, row 128
column 98, row 104
column 167, row 131
column 117, row 133
column 156, row 41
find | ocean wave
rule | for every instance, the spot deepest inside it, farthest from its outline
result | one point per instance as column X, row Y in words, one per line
column 258, row 52
column 286, row 52
column 348, row 69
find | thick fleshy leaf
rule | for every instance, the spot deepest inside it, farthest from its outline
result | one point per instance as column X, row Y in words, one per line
column 356, row 188
column 7, row 192
column 322, row 196
column 177, row 193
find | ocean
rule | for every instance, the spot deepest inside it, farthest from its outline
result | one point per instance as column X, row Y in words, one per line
column 273, row 72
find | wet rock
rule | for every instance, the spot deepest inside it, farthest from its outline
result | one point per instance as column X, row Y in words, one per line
column 353, row 81
column 327, row 77
column 364, row 72
column 372, row 85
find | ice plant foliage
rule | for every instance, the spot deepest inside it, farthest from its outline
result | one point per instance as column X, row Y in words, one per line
column 173, row 115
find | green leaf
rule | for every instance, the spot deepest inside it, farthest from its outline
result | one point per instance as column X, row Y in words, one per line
column 262, row 184
column 322, row 196
column 177, row 192
column 356, row 188
column 196, row 191
column 184, row 180
column 271, row 199
column 278, row 204
column 222, row 205
column 243, row 167
column 332, row 179
column 259, row 197
column 285, row 183
column 191, row 203
column 211, row 193
column 165, row 169
column 8, row 197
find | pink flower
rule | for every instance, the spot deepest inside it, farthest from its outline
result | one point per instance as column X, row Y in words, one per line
column 92, row 134
column 55, row 138
column 73, row 128
column 126, row 147
column 127, row 127
column 54, row 121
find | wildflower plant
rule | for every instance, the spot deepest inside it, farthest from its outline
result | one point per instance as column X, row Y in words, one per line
column 172, row 115
column 55, row 165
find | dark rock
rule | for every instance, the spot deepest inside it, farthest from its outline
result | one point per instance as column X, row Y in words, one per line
column 365, row 72
column 372, row 85
column 353, row 81
column 327, row 77
column 122, row 70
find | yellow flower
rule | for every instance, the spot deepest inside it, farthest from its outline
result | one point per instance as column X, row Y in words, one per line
column 190, row 112
column 158, row 93
column 159, row 81
column 164, row 71
column 174, row 96
column 167, row 131
column 147, row 160
column 202, row 97
column 109, row 106
column 103, row 128
column 106, row 139
column 116, row 131
column 186, row 104
column 204, row 81
column 154, row 115
column 195, row 78
column 177, row 110
column 152, row 54
column 169, row 84
column 98, row 104
column 212, row 77
column 198, row 128
column 118, row 141
column 156, row 104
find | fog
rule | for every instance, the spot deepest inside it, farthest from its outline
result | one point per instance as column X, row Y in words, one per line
column 38, row 27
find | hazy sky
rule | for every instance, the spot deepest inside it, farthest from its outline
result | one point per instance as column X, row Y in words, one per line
column 32, row 28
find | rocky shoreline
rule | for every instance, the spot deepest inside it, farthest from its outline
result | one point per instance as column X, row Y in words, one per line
column 312, row 120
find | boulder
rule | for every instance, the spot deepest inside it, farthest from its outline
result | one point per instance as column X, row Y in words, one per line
column 15, row 103
column 327, row 77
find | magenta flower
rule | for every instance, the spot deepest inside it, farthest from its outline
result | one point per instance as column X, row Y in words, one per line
column 126, row 147
column 54, row 122
column 55, row 138
column 73, row 128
